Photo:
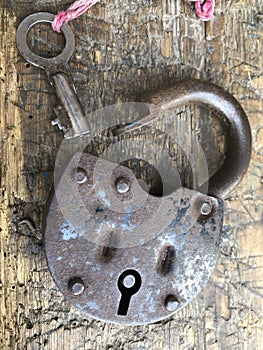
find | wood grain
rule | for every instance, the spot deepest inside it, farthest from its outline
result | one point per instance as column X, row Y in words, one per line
column 124, row 49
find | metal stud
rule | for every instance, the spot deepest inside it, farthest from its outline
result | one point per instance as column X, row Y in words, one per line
column 206, row 209
column 76, row 286
column 171, row 303
column 122, row 185
column 80, row 176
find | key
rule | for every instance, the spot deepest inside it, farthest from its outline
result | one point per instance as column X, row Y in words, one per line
column 58, row 73
column 129, row 284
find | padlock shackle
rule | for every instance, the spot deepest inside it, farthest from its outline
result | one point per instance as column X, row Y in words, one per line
column 232, row 117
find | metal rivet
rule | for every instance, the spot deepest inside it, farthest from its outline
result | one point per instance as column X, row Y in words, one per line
column 122, row 185
column 76, row 286
column 171, row 303
column 80, row 176
column 206, row 209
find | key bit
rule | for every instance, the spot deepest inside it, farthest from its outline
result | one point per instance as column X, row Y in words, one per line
column 61, row 119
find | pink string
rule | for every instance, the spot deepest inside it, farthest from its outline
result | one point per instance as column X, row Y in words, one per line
column 74, row 11
column 204, row 9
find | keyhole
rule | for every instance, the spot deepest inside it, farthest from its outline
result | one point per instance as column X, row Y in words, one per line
column 129, row 284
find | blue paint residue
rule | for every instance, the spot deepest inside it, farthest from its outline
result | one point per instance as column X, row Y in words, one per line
column 92, row 305
column 99, row 210
column 184, row 201
column 213, row 224
column 128, row 226
column 204, row 231
column 130, row 125
column 125, row 222
column 68, row 232
column 177, row 220
column 102, row 195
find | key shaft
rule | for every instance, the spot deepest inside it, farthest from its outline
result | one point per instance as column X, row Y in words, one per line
column 70, row 101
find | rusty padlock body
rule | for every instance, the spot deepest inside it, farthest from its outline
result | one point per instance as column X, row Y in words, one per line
column 147, row 282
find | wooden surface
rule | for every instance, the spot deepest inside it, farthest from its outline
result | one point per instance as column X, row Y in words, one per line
column 125, row 48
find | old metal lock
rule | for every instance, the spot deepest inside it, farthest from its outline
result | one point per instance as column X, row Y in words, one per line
column 122, row 255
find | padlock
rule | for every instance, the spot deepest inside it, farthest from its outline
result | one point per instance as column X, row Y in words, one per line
column 124, row 256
